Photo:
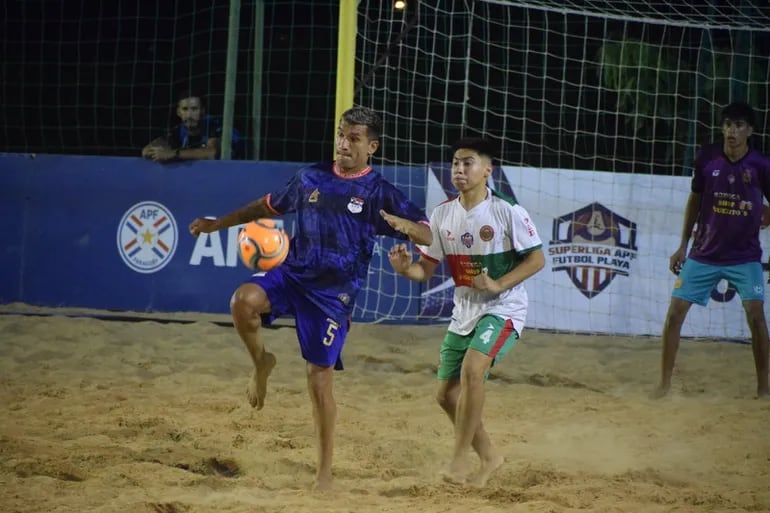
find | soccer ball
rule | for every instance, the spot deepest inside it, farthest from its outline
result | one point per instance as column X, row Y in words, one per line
column 262, row 245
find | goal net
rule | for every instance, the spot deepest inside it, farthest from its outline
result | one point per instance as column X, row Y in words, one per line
column 103, row 77
column 596, row 108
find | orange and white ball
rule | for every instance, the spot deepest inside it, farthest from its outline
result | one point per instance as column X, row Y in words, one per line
column 262, row 245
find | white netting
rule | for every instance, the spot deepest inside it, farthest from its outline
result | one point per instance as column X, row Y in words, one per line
column 631, row 88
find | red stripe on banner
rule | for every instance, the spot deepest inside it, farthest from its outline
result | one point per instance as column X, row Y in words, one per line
column 136, row 220
column 163, row 246
column 159, row 221
column 500, row 342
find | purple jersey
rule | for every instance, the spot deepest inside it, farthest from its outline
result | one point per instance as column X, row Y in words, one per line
column 337, row 221
column 731, row 206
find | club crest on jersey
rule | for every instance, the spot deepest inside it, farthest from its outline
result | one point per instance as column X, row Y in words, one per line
column 313, row 198
column 467, row 239
column 356, row 205
column 486, row 233
column 592, row 245
column 731, row 179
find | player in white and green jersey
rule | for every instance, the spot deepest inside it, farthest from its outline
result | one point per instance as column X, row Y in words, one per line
column 491, row 247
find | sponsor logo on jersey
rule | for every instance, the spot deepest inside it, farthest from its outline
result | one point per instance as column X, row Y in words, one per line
column 530, row 227
column 715, row 172
column 592, row 245
column 147, row 237
column 313, row 198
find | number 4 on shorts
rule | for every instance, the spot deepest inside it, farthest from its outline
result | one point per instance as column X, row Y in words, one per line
column 487, row 335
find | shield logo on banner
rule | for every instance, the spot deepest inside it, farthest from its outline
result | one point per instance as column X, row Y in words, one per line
column 147, row 237
column 593, row 245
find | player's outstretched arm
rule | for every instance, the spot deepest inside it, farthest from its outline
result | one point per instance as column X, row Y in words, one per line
column 418, row 233
column 401, row 259
column 256, row 209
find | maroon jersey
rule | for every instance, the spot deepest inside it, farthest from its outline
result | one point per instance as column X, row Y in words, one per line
column 731, row 206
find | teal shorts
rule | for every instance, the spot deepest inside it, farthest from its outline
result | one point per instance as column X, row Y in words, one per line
column 492, row 336
column 697, row 280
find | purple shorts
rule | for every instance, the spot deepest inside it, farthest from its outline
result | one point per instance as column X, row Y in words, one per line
column 320, row 335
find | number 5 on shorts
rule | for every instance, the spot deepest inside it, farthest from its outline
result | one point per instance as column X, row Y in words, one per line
column 331, row 332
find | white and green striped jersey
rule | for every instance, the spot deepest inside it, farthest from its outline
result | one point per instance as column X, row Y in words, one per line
column 493, row 236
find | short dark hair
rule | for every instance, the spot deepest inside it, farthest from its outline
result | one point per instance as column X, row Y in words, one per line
column 367, row 117
column 739, row 111
column 189, row 93
column 477, row 144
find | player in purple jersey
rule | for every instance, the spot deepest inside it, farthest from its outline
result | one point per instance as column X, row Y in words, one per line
column 341, row 206
column 726, row 200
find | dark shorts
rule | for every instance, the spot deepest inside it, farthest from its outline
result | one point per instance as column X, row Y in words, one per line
column 320, row 335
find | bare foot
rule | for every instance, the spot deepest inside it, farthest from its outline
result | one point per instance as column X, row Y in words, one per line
column 455, row 479
column 323, row 483
column 479, row 480
column 257, row 388
column 660, row 391
column 456, row 474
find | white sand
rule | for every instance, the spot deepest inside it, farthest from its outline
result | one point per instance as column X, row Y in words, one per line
column 117, row 416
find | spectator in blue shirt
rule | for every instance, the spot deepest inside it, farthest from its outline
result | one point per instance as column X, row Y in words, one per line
column 196, row 137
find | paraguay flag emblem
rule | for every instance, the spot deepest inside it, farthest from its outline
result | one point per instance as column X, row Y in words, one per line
column 147, row 237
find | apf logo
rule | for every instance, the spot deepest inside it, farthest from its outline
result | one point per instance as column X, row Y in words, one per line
column 592, row 245
column 147, row 236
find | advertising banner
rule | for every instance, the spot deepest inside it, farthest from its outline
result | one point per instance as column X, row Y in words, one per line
column 607, row 239
column 112, row 233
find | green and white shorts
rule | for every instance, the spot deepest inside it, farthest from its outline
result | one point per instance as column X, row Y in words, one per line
column 493, row 336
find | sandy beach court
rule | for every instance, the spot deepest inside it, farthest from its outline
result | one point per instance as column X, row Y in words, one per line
column 117, row 416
